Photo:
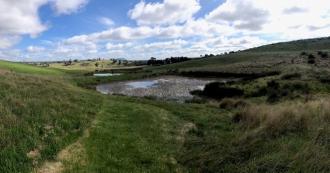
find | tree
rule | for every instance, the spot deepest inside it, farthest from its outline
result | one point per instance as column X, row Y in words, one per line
column 311, row 59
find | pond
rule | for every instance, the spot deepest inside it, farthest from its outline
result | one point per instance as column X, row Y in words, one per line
column 106, row 74
column 164, row 88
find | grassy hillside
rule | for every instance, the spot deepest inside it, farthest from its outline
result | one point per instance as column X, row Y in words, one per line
column 39, row 116
column 28, row 69
column 298, row 45
column 279, row 123
column 274, row 57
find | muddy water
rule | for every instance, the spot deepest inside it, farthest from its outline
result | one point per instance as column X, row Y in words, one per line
column 165, row 88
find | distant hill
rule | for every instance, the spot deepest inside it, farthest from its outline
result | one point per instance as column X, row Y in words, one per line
column 298, row 45
column 271, row 57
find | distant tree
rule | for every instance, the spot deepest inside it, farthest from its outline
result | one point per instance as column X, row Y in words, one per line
column 152, row 61
column 323, row 54
column 97, row 64
column 311, row 59
column 303, row 54
column 67, row 63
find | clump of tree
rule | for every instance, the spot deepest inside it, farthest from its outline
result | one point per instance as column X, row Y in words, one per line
column 274, row 91
column 140, row 63
column 207, row 56
column 114, row 61
column 303, row 54
column 217, row 90
column 68, row 63
column 311, row 59
column 323, row 54
column 97, row 64
column 172, row 60
column 44, row 64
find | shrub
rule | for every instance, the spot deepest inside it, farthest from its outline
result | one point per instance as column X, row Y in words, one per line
column 274, row 91
column 217, row 90
column 311, row 59
column 291, row 76
column 303, row 54
column 322, row 54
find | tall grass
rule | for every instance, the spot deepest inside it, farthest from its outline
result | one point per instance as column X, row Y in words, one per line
column 297, row 120
column 38, row 116
column 287, row 137
column 286, row 117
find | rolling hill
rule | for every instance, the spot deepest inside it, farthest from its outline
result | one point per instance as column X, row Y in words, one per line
column 279, row 124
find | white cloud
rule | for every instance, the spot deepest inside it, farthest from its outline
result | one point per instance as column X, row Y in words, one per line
column 120, row 33
column 8, row 41
column 175, row 44
column 21, row 17
column 68, row 6
column 106, row 21
column 111, row 46
column 166, row 13
column 169, row 28
column 240, row 14
column 35, row 49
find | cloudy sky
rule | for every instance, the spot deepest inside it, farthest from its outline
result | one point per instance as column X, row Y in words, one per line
column 138, row 29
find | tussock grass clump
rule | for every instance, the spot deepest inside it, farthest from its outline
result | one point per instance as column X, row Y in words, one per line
column 229, row 103
column 296, row 122
column 291, row 136
column 286, row 117
column 273, row 121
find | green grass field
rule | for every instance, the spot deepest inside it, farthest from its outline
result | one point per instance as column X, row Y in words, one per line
column 89, row 66
column 49, row 122
column 28, row 69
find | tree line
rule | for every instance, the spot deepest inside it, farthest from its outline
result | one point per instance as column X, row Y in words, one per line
column 172, row 60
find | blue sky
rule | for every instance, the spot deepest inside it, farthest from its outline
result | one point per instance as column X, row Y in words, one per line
column 42, row 30
column 86, row 19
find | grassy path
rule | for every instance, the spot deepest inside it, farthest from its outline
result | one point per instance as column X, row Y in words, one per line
column 131, row 137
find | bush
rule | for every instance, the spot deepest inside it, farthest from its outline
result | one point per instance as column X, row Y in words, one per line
column 311, row 59
column 291, row 76
column 274, row 91
column 303, row 54
column 323, row 54
column 217, row 90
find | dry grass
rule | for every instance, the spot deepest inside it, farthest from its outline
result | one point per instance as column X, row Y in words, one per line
column 284, row 118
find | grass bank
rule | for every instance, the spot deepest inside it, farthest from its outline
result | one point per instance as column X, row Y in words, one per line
column 39, row 116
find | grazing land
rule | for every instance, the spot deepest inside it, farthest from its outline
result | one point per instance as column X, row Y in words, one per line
column 276, row 119
column 90, row 65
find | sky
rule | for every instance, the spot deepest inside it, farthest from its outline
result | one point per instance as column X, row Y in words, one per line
column 50, row 30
